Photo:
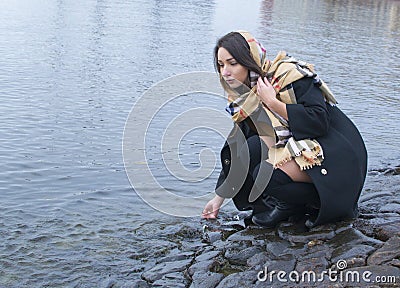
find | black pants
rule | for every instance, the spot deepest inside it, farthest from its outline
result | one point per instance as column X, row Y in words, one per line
column 280, row 186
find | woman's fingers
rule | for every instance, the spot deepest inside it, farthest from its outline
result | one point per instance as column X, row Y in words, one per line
column 263, row 82
column 260, row 81
column 209, row 215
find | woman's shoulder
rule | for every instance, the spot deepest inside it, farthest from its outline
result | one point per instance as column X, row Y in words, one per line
column 306, row 86
column 303, row 85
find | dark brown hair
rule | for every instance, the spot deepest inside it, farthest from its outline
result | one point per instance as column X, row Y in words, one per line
column 238, row 47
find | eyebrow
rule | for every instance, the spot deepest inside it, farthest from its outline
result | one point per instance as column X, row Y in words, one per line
column 230, row 59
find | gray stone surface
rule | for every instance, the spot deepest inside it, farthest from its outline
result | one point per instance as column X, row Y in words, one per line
column 228, row 254
column 241, row 279
column 176, row 280
column 206, row 280
column 203, row 266
column 388, row 252
column 240, row 256
column 164, row 268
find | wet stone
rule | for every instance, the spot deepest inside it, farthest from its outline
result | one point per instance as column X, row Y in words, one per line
column 203, row 266
column 391, row 208
column 241, row 279
column 389, row 251
column 392, row 171
column 258, row 259
column 324, row 228
column 376, row 195
column 177, row 280
column 138, row 284
column 311, row 236
column 260, row 232
column 365, row 228
column 343, row 225
column 254, row 236
column 350, row 251
column 382, row 231
column 239, row 256
column 285, row 263
column 317, row 251
column 287, row 230
column 109, row 283
column 219, row 245
column 395, row 262
column 278, row 247
column 164, row 268
column 207, row 256
column 297, row 250
column 384, row 218
column 315, row 264
column 212, row 236
column 244, row 235
column 352, row 237
column 177, row 257
column 206, row 280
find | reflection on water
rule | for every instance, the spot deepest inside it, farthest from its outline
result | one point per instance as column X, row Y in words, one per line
column 70, row 72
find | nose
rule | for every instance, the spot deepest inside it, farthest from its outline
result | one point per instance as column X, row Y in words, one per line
column 225, row 71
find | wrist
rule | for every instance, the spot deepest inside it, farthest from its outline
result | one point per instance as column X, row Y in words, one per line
column 219, row 199
column 275, row 105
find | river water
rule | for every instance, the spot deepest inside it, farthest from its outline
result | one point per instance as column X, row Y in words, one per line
column 70, row 73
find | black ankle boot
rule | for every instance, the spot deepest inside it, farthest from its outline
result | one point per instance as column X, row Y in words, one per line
column 282, row 211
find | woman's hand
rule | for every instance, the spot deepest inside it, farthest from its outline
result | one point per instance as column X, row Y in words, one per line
column 267, row 94
column 212, row 208
column 266, row 91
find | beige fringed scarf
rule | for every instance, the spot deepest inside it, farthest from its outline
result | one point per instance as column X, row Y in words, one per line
column 281, row 72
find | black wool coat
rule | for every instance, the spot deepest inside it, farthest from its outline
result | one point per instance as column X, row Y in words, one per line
column 340, row 178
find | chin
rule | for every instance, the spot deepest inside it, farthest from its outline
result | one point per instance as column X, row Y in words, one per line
column 234, row 84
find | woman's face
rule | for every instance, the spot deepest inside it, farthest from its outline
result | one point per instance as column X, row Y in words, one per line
column 233, row 73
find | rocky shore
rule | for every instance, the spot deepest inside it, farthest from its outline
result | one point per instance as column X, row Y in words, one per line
column 364, row 252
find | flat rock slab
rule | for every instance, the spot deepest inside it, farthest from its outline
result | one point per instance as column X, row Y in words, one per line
column 242, row 279
column 206, row 280
column 388, row 252
column 164, row 268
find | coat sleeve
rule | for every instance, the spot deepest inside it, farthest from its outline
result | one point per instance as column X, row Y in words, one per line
column 308, row 118
column 220, row 180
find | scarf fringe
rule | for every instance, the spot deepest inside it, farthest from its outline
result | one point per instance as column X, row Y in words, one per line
column 306, row 159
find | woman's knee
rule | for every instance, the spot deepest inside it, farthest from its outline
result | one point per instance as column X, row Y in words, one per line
column 254, row 152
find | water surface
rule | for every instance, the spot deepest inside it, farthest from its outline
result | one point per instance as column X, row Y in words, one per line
column 69, row 75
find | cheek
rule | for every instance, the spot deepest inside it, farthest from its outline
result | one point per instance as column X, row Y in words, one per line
column 243, row 74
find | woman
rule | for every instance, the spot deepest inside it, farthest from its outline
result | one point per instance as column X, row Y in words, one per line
column 314, row 157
